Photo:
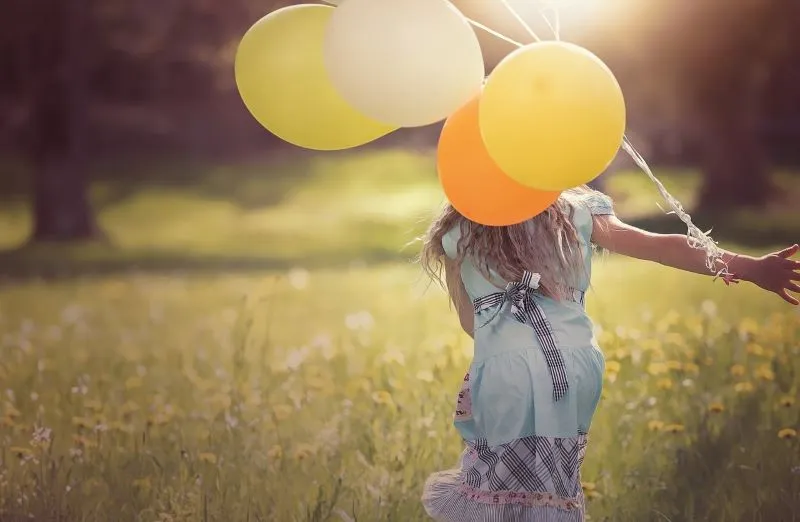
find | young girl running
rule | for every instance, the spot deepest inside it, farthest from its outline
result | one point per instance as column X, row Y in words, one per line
column 527, row 402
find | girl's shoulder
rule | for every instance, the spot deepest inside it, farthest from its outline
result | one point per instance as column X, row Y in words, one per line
column 450, row 241
column 594, row 201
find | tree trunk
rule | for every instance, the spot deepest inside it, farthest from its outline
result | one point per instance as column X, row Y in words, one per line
column 57, row 59
column 733, row 157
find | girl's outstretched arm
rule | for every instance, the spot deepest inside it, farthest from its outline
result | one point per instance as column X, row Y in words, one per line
column 459, row 296
column 774, row 272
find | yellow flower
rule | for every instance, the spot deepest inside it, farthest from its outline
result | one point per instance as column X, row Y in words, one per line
column 133, row 382
column 120, row 426
column 674, row 428
column 592, row 495
column 655, row 425
column 737, row 370
column 275, row 452
column 129, row 407
column 83, row 442
column 588, row 486
column 20, row 452
column 282, row 412
column 692, row 368
column 657, row 368
column 12, row 412
column 613, row 366
column 748, row 326
column 743, row 387
column 611, row 376
column 674, row 365
column 142, row 483
column 716, row 407
column 754, row 348
column 82, row 422
column 787, row 433
column 764, row 372
column 787, row 401
column 382, row 397
column 425, row 376
column 303, row 451
column 664, row 384
column 619, row 353
column 93, row 405
column 208, row 458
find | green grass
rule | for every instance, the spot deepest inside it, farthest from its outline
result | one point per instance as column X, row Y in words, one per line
column 315, row 209
column 290, row 396
column 306, row 392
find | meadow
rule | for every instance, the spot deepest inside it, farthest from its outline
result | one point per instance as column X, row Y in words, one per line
column 263, row 349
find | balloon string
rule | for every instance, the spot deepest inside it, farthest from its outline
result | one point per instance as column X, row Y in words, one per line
column 555, row 24
column 520, row 20
column 493, row 32
column 694, row 236
column 470, row 20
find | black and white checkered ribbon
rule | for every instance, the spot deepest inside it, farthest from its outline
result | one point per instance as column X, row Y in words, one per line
column 521, row 295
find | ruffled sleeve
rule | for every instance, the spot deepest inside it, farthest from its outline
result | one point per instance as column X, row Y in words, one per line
column 450, row 242
column 599, row 204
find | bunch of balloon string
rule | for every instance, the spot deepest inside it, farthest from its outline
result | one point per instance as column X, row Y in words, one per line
column 549, row 117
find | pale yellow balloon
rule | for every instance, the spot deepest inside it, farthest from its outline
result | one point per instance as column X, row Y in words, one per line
column 283, row 82
column 552, row 116
column 406, row 62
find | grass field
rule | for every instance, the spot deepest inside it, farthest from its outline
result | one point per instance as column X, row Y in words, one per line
column 295, row 391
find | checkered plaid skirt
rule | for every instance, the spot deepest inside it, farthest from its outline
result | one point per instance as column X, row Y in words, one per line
column 513, row 468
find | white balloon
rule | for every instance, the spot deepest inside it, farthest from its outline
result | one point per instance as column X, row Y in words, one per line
column 407, row 63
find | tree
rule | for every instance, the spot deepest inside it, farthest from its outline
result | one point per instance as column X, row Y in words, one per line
column 52, row 75
column 724, row 57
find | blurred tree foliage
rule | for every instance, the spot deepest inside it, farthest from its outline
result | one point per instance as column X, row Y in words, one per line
column 91, row 78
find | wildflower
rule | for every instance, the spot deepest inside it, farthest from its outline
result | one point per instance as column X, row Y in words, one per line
column 21, row 453
column 655, row 425
column 674, row 365
column 128, row 408
column 303, row 451
column 754, row 348
column 281, row 412
column 674, row 428
column 133, row 382
column 208, row 458
column 743, row 387
column 142, row 484
column 41, row 437
column 765, row 373
column 737, row 370
column 656, row 368
column 83, row 442
column 382, row 397
column 425, row 376
column 592, row 495
column 394, row 356
column 613, row 366
column 275, row 452
column 787, row 433
column 787, row 401
column 12, row 412
column 611, row 376
column 588, row 486
column 93, row 405
column 82, row 423
column 692, row 368
column 7, row 422
column 664, row 384
column 716, row 407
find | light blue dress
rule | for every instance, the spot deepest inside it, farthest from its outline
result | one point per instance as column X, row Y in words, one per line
column 527, row 402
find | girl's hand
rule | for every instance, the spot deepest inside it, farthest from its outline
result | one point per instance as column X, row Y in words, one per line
column 777, row 273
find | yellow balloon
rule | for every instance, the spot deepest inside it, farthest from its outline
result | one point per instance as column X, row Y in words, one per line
column 552, row 116
column 281, row 77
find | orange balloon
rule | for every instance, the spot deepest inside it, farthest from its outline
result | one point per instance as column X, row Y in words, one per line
column 474, row 184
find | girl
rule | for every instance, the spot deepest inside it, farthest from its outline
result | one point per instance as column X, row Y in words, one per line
column 527, row 402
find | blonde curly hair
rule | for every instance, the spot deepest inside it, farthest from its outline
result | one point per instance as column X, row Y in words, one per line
column 547, row 243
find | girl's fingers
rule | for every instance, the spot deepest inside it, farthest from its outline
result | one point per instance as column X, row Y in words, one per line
column 789, row 299
column 794, row 287
column 786, row 253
